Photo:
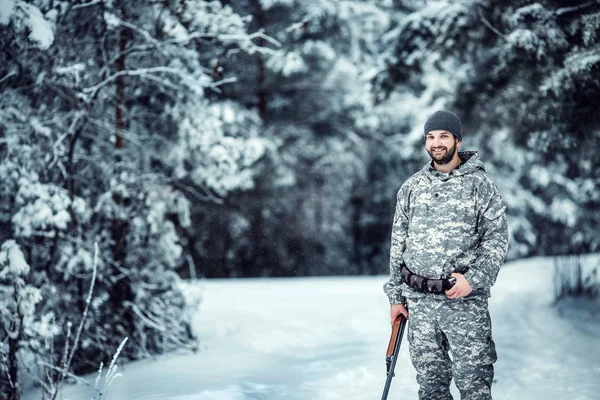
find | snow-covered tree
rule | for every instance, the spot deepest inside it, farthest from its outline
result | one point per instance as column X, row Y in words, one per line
column 523, row 79
column 312, row 92
column 108, row 136
column 21, row 326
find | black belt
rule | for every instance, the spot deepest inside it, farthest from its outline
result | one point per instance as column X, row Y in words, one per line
column 426, row 285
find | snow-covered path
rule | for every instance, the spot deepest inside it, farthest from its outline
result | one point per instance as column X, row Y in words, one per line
column 546, row 352
column 325, row 338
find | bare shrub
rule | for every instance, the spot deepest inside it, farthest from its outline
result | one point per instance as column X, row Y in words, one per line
column 576, row 276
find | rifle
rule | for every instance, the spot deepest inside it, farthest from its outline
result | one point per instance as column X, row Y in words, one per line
column 392, row 352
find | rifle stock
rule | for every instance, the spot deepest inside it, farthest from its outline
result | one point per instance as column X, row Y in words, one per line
column 393, row 351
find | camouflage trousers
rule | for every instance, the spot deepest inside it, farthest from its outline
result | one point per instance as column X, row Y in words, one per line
column 451, row 338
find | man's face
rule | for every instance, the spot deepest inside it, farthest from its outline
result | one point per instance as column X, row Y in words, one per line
column 441, row 146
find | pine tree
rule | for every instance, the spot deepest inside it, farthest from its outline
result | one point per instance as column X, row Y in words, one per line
column 109, row 137
column 523, row 79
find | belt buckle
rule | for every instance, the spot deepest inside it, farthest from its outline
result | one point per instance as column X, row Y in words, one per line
column 451, row 282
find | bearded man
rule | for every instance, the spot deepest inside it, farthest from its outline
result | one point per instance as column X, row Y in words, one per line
column 449, row 238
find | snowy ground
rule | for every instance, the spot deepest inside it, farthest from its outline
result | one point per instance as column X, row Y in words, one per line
column 325, row 338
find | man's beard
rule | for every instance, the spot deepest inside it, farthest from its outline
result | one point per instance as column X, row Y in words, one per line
column 444, row 157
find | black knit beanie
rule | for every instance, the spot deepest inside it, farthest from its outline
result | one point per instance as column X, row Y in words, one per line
column 444, row 120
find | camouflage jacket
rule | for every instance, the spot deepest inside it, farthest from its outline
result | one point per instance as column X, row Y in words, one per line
column 445, row 223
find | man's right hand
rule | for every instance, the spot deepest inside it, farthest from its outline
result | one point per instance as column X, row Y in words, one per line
column 397, row 309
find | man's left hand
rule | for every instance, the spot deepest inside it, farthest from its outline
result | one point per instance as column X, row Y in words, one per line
column 461, row 288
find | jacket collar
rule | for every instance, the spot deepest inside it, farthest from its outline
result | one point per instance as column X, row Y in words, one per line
column 470, row 163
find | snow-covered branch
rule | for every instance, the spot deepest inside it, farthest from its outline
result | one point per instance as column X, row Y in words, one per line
column 7, row 76
column 144, row 33
column 490, row 26
column 146, row 319
column 566, row 10
column 230, row 37
column 88, row 4
column 207, row 196
column 92, row 90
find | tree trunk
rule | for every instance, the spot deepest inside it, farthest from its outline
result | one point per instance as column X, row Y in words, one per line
column 357, row 203
column 118, row 230
column 13, row 348
column 227, row 241
column 296, row 245
column 318, row 241
column 13, row 369
column 120, row 86
column 261, row 91
column 256, row 240
column 121, row 290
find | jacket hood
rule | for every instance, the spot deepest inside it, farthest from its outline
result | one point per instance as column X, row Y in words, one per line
column 470, row 163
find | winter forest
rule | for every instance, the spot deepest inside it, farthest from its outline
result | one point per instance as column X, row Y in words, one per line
column 145, row 143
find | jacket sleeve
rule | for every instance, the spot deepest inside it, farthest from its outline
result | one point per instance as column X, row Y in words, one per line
column 392, row 287
column 493, row 244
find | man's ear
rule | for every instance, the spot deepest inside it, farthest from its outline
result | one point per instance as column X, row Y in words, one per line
column 458, row 142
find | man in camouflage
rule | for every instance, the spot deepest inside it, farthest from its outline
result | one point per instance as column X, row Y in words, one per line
column 449, row 226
